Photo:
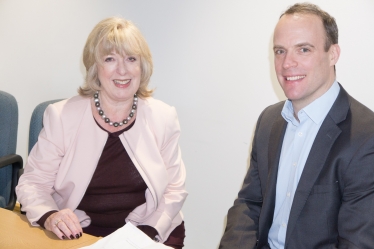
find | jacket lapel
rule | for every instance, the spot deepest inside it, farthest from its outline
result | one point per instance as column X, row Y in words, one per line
column 86, row 142
column 318, row 154
column 143, row 142
column 274, row 150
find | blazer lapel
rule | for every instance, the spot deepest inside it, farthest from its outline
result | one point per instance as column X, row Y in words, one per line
column 140, row 141
column 86, row 143
column 274, row 150
column 318, row 154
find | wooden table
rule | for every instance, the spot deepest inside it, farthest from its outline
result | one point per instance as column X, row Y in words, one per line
column 16, row 232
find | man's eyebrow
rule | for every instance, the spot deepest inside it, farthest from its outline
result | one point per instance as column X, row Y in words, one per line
column 304, row 44
column 277, row 47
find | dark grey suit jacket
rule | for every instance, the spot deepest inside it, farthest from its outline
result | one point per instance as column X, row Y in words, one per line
column 333, row 205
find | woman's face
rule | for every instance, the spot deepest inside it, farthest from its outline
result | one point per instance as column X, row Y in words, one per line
column 119, row 76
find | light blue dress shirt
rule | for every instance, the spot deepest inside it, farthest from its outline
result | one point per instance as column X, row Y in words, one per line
column 297, row 143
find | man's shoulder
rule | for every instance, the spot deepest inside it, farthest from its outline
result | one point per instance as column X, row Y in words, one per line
column 347, row 108
column 270, row 115
column 354, row 119
column 359, row 108
column 275, row 107
column 272, row 111
column 360, row 116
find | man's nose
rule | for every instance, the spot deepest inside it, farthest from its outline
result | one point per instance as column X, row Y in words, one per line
column 289, row 61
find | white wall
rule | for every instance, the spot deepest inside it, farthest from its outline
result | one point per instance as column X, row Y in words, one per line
column 213, row 61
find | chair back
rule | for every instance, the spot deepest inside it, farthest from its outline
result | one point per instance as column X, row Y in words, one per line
column 36, row 122
column 9, row 162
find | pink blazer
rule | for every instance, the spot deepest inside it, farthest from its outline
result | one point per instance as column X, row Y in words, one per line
column 61, row 164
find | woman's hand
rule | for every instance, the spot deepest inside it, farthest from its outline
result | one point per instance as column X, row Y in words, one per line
column 64, row 224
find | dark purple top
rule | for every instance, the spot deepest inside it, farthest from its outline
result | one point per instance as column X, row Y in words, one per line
column 116, row 188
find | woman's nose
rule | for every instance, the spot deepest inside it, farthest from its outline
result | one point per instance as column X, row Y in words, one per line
column 121, row 68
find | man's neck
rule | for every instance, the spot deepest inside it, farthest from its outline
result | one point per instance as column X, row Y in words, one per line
column 296, row 117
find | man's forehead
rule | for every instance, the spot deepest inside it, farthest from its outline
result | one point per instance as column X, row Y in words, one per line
column 298, row 18
column 299, row 21
column 299, row 29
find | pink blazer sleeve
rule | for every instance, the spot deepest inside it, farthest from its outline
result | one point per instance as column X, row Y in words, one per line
column 35, row 187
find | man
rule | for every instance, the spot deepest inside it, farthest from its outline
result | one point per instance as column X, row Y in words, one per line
column 311, row 178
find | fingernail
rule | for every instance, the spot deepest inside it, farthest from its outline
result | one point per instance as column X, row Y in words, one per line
column 80, row 234
column 63, row 237
column 77, row 236
column 71, row 237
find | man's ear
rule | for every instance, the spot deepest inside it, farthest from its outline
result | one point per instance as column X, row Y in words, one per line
column 334, row 52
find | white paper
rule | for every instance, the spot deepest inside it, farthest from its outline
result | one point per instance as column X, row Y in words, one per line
column 127, row 237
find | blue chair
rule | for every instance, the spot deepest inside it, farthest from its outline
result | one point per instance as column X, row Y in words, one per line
column 10, row 163
column 36, row 122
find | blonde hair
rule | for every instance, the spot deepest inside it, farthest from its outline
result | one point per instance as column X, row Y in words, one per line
column 123, row 37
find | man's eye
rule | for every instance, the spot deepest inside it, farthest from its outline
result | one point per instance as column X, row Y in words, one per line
column 304, row 50
column 279, row 51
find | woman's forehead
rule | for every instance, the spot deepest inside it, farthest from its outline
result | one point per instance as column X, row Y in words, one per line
column 121, row 49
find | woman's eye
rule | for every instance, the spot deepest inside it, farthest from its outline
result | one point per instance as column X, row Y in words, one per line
column 132, row 58
column 108, row 59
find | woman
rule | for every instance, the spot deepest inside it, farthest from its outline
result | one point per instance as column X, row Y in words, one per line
column 110, row 155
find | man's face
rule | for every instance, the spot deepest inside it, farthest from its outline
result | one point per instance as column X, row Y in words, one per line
column 304, row 70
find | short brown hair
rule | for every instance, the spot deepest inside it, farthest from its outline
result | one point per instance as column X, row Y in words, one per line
column 328, row 21
column 122, row 36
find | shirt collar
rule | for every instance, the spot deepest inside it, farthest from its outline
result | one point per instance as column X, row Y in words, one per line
column 317, row 110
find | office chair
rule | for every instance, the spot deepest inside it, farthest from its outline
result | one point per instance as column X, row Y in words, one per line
column 10, row 163
column 36, row 122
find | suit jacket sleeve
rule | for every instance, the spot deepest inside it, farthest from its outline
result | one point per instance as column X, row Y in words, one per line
column 243, row 218
column 356, row 219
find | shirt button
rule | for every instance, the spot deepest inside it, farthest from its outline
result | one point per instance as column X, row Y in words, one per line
column 300, row 134
column 288, row 194
column 294, row 164
column 283, row 224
